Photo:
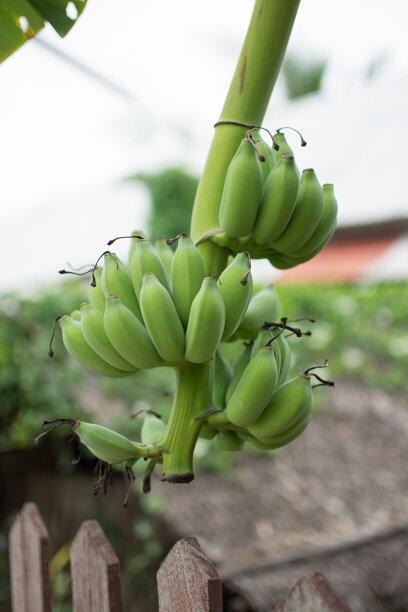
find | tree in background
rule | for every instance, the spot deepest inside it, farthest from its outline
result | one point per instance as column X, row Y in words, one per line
column 172, row 192
column 303, row 77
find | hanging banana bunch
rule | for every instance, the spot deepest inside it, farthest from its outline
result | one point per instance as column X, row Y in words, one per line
column 161, row 309
column 268, row 210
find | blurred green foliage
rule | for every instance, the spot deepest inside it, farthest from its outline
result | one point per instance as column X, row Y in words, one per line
column 362, row 329
column 172, row 193
column 302, row 77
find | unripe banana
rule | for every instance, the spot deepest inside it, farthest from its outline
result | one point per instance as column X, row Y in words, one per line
column 75, row 314
column 240, row 366
column 283, row 262
column 283, row 353
column 229, row 441
column 264, row 336
column 153, row 430
column 187, row 274
column 95, row 335
column 146, row 259
column 279, row 139
column 264, row 306
column 254, row 389
column 285, row 357
column 284, row 408
column 137, row 234
column 278, row 441
column 306, row 215
column 325, row 225
column 222, row 375
column 129, row 336
column 107, row 445
column 206, row 323
column 161, row 319
column 116, row 281
column 78, row 347
column 291, row 432
column 207, row 432
column 235, row 285
column 96, row 295
column 242, row 192
column 266, row 151
column 278, row 201
column 165, row 253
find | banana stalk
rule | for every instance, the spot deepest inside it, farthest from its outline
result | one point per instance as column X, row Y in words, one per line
column 251, row 87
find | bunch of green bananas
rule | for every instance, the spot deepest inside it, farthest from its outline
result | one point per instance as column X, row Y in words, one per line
column 160, row 310
column 256, row 402
column 271, row 211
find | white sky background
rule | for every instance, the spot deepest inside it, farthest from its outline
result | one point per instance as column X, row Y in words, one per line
column 65, row 141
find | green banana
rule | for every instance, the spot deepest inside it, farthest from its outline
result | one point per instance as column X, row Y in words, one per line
column 146, row 259
column 278, row 201
column 165, row 253
column 285, row 357
column 78, row 347
column 254, row 389
column 264, row 306
column 76, row 314
column 306, row 215
column 279, row 139
column 242, row 192
column 153, row 430
column 266, row 151
column 229, row 441
column 187, row 274
column 278, row 441
column 325, row 226
column 96, row 295
column 283, row 262
column 235, row 285
column 116, row 281
column 222, row 375
column 129, row 336
column 284, row 408
column 207, row 432
column 161, row 319
column 264, row 336
column 95, row 335
column 136, row 235
column 240, row 366
column 206, row 323
column 107, row 445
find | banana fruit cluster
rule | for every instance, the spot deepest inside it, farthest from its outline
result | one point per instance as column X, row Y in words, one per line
column 269, row 209
column 256, row 402
column 161, row 310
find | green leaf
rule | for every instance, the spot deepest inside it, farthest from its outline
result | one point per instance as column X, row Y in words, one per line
column 61, row 14
column 20, row 20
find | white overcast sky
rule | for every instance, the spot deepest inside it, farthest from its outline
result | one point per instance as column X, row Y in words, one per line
column 65, row 141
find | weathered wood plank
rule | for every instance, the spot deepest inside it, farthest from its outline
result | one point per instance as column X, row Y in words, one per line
column 187, row 581
column 312, row 593
column 29, row 552
column 95, row 571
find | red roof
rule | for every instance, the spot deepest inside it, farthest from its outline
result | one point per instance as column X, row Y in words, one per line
column 340, row 261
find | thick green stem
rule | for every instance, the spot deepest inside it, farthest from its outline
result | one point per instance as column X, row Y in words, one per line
column 248, row 96
column 190, row 400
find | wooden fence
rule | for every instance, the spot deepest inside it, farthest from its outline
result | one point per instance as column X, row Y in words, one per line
column 186, row 580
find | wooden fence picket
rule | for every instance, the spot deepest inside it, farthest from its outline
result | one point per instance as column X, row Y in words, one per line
column 187, row 581
column 95, row 571
column 29, row 553
column 312, row 593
